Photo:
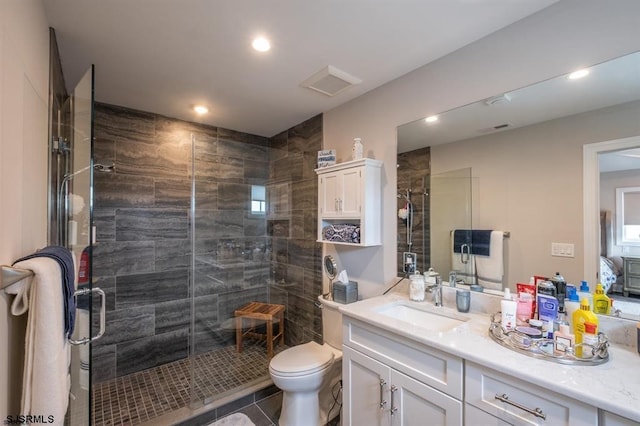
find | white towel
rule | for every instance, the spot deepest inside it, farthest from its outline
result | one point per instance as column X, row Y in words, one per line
column 465, row 271
column 46, row 381
column 491, row 268
column 20, row 303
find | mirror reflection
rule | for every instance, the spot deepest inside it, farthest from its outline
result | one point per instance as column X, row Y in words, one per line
column 608, row 95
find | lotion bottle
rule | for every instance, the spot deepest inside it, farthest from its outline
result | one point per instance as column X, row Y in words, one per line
column 508, row 308
column 580, row 317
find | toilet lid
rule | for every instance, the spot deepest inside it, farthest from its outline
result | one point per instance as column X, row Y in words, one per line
column 307, row 358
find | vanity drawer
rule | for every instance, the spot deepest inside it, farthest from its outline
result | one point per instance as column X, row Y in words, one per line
column 435, row 368
column 482, row 385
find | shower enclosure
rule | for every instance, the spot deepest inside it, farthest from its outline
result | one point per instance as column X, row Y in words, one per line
column 196, row 222
column 180, row 224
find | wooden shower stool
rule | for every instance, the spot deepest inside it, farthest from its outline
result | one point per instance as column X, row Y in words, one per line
column 256, row 312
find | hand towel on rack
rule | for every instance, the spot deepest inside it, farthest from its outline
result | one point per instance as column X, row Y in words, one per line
column 46, row 381
column 491, row 268
column 65, row 259
column 463, row 263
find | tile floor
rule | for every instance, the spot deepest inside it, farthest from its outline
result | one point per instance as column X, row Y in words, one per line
column 142, row 396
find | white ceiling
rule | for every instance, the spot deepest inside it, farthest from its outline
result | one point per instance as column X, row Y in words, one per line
column 165, row 56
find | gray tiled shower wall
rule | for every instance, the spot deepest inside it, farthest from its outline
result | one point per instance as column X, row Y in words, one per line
column 142, row 257
column 414, row 171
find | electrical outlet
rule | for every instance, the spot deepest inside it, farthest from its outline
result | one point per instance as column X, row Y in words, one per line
column 409, row 262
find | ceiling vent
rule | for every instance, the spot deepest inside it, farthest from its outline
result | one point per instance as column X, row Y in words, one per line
column 497, row 100
column 330, row 81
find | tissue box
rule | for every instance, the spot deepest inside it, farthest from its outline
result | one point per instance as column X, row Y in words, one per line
column 345, row 293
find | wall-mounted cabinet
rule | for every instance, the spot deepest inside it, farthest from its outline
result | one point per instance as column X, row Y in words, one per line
column 349, row 203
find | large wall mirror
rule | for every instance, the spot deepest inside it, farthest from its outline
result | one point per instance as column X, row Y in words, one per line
column 609, row 94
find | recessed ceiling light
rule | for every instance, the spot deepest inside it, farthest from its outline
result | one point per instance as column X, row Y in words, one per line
column 578, row 74
column 431, row 119
column 200, row 109
column 261, row 44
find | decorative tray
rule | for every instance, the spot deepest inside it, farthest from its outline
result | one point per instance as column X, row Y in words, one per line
column 543, row 348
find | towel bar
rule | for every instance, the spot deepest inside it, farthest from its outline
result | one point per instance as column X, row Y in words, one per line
column 11, row 275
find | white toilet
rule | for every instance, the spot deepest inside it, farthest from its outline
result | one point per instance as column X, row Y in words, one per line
column 307, row 374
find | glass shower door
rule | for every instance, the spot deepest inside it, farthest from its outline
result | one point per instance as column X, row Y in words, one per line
column 450, row 211
column 75, row 199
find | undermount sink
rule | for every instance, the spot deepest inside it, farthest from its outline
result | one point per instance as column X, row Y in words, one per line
column 432, row 321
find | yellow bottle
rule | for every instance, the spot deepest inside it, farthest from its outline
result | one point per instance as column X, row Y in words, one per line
column 601, row 304
column 580, row 316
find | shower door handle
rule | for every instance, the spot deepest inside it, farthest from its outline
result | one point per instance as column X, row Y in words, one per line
column 90, row 291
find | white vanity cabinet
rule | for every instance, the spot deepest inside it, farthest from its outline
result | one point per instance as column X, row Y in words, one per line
column 516, row 402
column 610, row 419
column 390, row 381
column 350, row 193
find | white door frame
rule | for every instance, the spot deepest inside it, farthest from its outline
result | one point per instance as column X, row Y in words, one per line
column 591, row 199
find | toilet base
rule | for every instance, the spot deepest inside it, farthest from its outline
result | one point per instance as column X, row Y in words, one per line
column 299, row 408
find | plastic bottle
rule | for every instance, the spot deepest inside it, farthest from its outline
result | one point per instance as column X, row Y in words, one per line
column 601, row 301
column 580, row 317
column 561, row 289
column 508, row 308
column 357, row 150
column 525, row 305
column 584, row 291
column 416, row 287
column 571, row 304
column 590, row 337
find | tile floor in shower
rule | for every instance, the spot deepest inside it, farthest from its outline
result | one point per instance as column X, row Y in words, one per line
column 145, row 395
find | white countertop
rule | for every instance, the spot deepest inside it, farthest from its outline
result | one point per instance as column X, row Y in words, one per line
column 613, row 386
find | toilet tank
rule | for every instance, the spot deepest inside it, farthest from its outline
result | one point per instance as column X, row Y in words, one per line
column 331, row 323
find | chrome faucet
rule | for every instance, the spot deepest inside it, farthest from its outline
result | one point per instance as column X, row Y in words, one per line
column 437, row 290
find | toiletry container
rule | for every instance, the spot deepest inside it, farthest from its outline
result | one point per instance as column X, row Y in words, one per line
column 601, row 303
column 590, row 337
column 357, row 150
column 546, row 287
column 463, row 300
column 547, row 309
column 584, row 291
column 525, row 304
column 571, row 304
column 560, row 284
column 563, row 339
column 508, row 308
column 416, row 287
column 580, row 317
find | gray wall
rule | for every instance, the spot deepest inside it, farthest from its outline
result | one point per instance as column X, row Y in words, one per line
column 143, row 255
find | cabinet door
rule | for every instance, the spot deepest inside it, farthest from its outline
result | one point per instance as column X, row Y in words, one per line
column 349, row 198
column 330, row 189
column 416, row 404
column 365, row 390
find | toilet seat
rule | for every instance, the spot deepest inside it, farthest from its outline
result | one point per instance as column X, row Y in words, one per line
column 302, row 360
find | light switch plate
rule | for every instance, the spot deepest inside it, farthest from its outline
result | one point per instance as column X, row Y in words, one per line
column 562, row 249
